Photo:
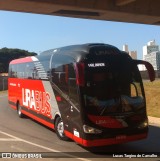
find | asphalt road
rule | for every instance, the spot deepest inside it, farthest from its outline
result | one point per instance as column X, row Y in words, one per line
column 25, row 135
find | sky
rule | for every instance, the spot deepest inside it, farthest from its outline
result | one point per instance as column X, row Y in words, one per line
column 37, row 33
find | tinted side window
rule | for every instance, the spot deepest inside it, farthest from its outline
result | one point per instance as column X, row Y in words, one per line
column 73, row 90
column 13, row 70
column 30, row 71
column 21, row 70
column 59, row 72
column 64, row 77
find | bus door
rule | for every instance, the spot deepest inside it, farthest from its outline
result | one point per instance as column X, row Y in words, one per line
column 74, row 109
column 65, row 89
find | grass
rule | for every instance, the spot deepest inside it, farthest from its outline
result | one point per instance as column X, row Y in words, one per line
column 152, row 91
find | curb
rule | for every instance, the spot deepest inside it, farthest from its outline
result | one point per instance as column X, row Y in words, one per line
column 154, row 120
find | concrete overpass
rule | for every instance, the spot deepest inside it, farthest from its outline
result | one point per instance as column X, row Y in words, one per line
column 134, row 11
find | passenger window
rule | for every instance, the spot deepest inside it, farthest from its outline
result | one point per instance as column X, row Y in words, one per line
column 73, row 91
column 21, row 70
column 59, row 77
column 13, row 71
column 64, row 77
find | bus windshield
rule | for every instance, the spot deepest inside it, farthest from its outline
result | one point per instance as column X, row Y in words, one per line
column 113, row 90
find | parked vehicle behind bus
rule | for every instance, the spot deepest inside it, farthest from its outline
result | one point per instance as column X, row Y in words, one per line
column 90, row 93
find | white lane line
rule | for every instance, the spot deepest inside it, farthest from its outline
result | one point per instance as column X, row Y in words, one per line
column 8, row 139
column 17, row 148
column 43, row 147
column 4, row 133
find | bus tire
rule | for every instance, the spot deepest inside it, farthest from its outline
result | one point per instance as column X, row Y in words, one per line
column 59, row 129
column 19, row 111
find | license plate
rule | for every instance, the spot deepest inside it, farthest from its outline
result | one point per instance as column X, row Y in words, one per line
column 121, row 137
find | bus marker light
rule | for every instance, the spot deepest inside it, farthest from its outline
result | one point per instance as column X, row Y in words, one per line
column 58, row 98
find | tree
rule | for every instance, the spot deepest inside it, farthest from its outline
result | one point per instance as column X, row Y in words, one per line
column 7, row 55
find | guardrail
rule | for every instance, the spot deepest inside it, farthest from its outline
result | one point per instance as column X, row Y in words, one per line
column 3, row 83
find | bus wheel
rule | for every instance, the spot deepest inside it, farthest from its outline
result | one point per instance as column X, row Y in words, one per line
column 59, row 128
column 19, row 111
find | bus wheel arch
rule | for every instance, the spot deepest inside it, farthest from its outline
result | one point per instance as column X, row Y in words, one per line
column 59, row 128
column 19, row 110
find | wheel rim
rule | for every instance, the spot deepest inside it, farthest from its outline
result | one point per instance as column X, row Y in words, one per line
column 60, row 129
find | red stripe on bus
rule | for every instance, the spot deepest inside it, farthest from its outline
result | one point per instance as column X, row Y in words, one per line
column 14, row 107
column 38, row 119
column 21, row 60
column 108, row 141
column 73, row 137
column 68, row 134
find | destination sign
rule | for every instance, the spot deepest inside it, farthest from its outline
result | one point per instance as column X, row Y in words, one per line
column 92, row 65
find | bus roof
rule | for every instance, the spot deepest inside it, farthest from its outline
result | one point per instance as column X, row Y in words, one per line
column 75, row 51
column 80, row 47
column 24, row 60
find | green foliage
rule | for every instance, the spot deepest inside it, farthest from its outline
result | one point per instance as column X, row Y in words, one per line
column 7, row 55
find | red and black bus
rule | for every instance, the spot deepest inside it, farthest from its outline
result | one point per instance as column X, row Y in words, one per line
column 90, row 93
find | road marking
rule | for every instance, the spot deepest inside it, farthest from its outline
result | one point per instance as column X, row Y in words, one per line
column 8, row 139
column 41, row 146
column 4, row 133
column 17, row 148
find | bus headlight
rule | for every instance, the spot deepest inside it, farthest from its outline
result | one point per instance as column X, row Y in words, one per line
column 91, row 130
column 143, row 124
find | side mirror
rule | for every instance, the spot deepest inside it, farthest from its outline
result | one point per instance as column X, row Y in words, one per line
column 149, row 68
